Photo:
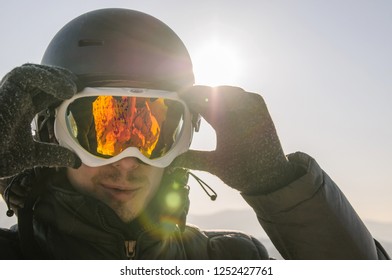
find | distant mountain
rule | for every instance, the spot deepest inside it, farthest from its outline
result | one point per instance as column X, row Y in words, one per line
column 380, row 231
column 243, row 220
column 246, row 221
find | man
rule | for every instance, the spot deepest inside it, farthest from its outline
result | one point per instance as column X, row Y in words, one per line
column 110, row 180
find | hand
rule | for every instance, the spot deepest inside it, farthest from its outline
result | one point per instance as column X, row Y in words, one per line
column 24, row 92
column 248, row 155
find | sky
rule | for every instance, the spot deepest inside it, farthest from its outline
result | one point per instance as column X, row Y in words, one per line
column 323, row 67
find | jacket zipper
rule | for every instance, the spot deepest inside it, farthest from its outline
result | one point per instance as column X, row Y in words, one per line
column 130, row 249
column 130, row 245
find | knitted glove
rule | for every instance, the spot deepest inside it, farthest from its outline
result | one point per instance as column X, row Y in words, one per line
column 248, row 155
column 24, row 92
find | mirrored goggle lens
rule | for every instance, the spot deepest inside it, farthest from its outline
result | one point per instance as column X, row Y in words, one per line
column 107, row 125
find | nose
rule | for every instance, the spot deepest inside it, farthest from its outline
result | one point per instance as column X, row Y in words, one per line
column 127, row 163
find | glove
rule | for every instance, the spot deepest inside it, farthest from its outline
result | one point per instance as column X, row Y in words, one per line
column 248, row 155
column 24, row 92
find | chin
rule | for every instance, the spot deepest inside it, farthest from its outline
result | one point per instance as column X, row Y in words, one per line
column 126, row 215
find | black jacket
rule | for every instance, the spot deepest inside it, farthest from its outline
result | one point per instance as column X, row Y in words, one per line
column 93, row 231
column 308, row 219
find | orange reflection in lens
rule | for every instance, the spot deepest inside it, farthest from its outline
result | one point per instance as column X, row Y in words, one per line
column 124, row 122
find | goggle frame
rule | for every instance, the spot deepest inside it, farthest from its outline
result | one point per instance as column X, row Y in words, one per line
column 65, row 139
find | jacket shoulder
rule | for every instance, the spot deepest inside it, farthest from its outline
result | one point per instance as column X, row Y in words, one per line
column 222, row 245
column 9, row 244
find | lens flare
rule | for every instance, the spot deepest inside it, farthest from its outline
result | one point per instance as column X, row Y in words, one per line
column 173, row 200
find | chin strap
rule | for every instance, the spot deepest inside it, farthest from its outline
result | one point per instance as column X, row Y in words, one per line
column 205, row 186
column 7, row 191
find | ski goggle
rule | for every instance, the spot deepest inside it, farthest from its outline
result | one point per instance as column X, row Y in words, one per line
column 104, row 125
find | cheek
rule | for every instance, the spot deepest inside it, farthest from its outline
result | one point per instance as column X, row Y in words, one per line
column 156, row 178
column 81, row 178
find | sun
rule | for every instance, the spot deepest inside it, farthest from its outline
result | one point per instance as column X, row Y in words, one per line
column 216, row 63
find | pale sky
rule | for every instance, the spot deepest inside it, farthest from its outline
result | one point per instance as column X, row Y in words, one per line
column 323, row 67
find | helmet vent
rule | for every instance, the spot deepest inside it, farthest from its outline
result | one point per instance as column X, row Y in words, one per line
column 90, row 42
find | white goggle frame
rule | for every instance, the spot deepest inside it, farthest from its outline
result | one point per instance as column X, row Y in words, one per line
column 65, row 139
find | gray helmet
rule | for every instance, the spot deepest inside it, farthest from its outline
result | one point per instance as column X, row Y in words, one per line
column 120, row 47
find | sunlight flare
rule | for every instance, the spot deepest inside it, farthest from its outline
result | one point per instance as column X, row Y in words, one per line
column 216, row 63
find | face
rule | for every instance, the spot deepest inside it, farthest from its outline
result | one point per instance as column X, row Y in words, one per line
column 126, row 186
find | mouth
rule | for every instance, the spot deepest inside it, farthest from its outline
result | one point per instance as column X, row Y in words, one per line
column 118, row 192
